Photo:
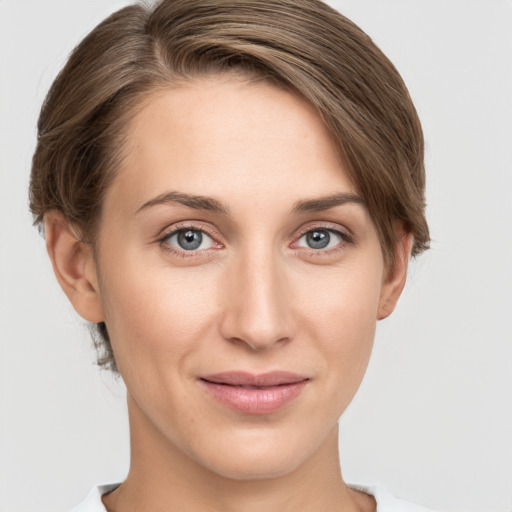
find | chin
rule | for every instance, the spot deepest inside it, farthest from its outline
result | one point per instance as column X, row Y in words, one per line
column 259, row 455
column 262, row 466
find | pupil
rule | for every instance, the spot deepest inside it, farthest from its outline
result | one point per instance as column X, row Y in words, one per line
column 318, row 239
column 190, row 239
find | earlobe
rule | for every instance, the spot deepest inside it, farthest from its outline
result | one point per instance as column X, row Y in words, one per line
column 74, row 266
column 395, row 278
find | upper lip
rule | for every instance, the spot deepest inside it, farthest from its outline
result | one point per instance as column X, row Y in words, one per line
column 238, row 378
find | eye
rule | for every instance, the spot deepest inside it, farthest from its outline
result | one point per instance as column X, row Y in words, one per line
column 320, row 239
column 189, row 240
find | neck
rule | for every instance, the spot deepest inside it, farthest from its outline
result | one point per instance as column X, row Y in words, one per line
column 163, row 478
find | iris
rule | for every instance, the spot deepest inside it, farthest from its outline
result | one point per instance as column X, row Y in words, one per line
column 190, row 239
column 318, row 239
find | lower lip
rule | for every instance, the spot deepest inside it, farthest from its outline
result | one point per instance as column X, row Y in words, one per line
column 255, row 400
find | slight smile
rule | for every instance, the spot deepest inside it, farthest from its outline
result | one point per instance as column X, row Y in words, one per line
column 254, row 393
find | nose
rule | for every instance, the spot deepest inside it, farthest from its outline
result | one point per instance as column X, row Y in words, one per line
column 256, row 302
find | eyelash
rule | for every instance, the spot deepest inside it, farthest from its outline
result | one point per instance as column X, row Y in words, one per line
column 346, row 239
column 166, row 247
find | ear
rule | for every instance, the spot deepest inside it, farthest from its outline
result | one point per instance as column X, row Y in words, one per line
column 395, row 277
column 74, row 266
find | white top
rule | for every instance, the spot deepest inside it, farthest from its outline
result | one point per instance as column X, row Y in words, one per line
column 386, row 502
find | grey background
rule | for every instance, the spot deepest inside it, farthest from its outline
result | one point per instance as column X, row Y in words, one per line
column 433, row 418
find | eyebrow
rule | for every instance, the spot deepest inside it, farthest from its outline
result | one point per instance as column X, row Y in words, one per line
column 199, row 202
column 323, row 203
column 189, row 200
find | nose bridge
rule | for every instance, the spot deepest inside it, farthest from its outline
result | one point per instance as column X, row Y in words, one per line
column 257, row 306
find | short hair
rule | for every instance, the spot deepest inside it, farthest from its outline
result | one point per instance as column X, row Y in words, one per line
column 304, row 46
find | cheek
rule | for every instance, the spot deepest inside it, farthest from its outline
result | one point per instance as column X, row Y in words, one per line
column 343, row 303
column 156, row 314
column 341, row 318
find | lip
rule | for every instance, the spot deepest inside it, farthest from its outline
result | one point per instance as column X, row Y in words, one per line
column 254, row 393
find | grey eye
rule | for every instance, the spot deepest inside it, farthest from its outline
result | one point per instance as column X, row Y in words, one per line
column 190, row 240
column 320, row 239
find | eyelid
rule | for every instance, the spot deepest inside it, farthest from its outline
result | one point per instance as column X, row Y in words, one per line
column 347, row 240
column 187, row 224
column 169, row 231
column 328, row 226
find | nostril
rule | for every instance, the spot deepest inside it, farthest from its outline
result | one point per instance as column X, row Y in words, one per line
column 255, row 313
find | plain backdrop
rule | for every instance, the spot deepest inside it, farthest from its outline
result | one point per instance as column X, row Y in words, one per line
column 433, row 418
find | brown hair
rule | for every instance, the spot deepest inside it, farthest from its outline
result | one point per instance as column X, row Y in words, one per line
column 303, row 45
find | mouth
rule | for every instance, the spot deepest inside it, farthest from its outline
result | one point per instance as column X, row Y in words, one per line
column 254, row 394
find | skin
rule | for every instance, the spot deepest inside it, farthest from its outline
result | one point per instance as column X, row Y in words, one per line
column 253, row 297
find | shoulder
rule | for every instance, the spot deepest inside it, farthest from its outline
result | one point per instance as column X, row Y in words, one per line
column 387, row 502
column 93, row 501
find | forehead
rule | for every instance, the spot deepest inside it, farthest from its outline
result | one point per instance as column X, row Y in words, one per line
column 229, row 138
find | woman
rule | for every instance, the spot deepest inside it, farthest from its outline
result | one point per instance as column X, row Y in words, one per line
column 230, row 192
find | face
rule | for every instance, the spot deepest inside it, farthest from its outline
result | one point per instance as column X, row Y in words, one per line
column 239, row 275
